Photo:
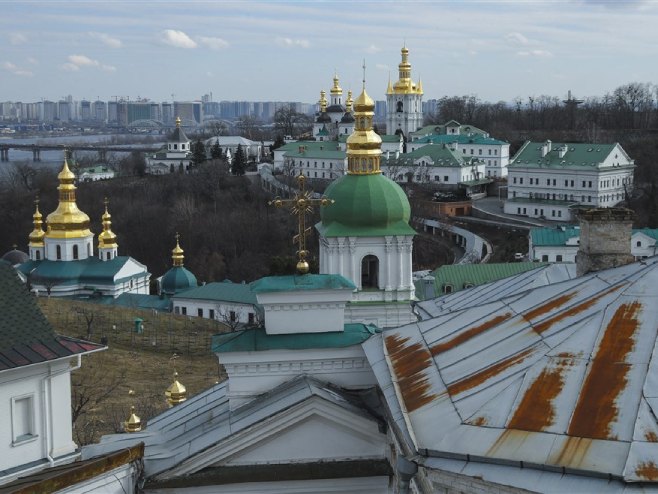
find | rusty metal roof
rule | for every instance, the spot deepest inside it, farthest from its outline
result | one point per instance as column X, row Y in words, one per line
column 557, row 376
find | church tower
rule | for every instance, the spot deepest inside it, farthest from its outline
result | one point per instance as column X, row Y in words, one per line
column 68, row 237
column 36, row 245
column 107, row 240
column 365, row 234
column 404, row 101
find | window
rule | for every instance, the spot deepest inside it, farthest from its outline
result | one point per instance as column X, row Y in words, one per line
column 370, row 272
column 590, row 184
column 232, row 316
column 22, row 418
column 514, row 180
column 490, row 152
column 559, row 213
column 558, row 258
column 566, row 183
column 548, row 181
column 471, row 151
column 554, row 181
column 445, row 178
column 399, row 107
column 199, row 312
column 107, row 256
column 252, row 318
column 175, row 146
column 211, row 313
column 583, row 183
column 521, row 180
column 75, row 252
column 58, row 254
column 544, row 258
column 447, row 288
column 572, row 183
column 479, row 152
column 638, row 244
column 437, row 178
column 530, row 180
column 183, row 310
column 38, row 255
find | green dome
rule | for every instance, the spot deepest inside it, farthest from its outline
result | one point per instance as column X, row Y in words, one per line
column 176, row 280
column 365, row 206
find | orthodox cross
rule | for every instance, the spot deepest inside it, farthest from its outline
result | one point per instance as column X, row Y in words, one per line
column 301, row 204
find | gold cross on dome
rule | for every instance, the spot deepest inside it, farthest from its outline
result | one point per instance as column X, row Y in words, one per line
column 301, row 204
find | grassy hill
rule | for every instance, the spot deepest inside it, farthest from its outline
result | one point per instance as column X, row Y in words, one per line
column 140, row 361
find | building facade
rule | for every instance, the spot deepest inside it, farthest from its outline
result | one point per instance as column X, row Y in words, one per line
column 404, row 101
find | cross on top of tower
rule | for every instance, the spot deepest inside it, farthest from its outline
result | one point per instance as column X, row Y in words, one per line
column 301, row 204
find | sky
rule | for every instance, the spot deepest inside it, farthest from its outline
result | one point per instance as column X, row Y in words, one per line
column 289, row 51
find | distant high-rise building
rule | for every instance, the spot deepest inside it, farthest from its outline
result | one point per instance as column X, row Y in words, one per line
column 167, row 112
column 189, row 110
column 64, row 111
column 112, row 112
column 99, row 111
column 85, row 110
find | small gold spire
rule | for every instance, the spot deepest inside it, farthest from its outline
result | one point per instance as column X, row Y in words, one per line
column 405, row 85
column 177, row 253
column 389, row 89
column 419, row 87
column 301, row 204
column 364, row 145
column 323, row 101
column 134, row 423
column 107, row 238
column 336, row 89
column 176, row 392
column 349, row 102
column 178, row 121
column 37, row 235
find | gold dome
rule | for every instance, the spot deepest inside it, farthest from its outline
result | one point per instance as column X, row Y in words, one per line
column 364, row 145
column 67, row 221
column 178, row 121
column 37, row 235
column 336, row 89
column 177, row 253
column 176, row 393
column 405, row 85
column 107, row 238
column 134, row 423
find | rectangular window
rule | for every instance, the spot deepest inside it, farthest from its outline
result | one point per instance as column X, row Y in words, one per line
column 176, row 310
column 518, row 210
column 566, row 183
column 496, row 152
column 437, row 178
column 490, row 152
column 572, row 183
column 583, row 183
column 232, row 316
column 559, row 214
column 445, row 178
column 558, row 258
column 521, row 180
column 548, row 181
column 22, row 418
column 199, row 312
column 514, row 180
column 479, row 152
column 211, row 313
column 530, row 180
column 544, row 258
column 589, row 184
column 471, row 151
column 183, row 310
column 553, row 213
column 251, row 318
column 554, row 181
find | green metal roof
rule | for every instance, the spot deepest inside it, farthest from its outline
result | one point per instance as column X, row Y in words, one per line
column 225, row 291
column 91, row 270
column 365, row 206
column 559, row 235
column 459, row 139
column 553, row 236
column 441, row 129
column 440, row 154
column 577, row 155
column 301, row 282
column 177, row 279
column 257, row 340
column 460, row 275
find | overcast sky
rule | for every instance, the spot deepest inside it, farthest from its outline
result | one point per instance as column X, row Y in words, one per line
column 288, row 51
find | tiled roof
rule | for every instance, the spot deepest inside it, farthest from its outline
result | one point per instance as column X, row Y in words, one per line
column 26, row 337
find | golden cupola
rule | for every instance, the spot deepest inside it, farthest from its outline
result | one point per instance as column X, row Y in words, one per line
column 349, row 102
column 37, row 235
column 134, row 423
column 177, row 256
column 336, row 90
column 364, row 145
column 176, row 392
column 405, row 85
column 67, row 221
column 107, row 238
column 323, row 101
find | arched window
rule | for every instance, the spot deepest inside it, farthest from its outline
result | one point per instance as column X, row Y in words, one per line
column 107, row 256
column 58, row 252
column 370, row 272
column 399, row 107
column 38, row 255
column 75, row 252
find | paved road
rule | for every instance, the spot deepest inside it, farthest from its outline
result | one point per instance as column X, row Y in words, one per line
column 493, row 205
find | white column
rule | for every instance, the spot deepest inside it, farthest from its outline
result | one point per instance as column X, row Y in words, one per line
column 389, row 275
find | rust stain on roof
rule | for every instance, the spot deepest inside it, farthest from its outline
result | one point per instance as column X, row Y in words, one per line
column 535, row 411
column 550, row 305
column 573, row 452
column 478, row 421
column 409, row 363
column 651, row 436
column 596, row 409
column 572, row 311
column 469, row 333
column 479, row 377
column 647, row 470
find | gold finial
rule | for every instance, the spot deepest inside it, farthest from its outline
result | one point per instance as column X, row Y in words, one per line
column 364, row 145
column 336, row 89
column 301, row 204
column 177, row 253
column 178, row 121
column 107, row 238
column 36, row 237
column 134, row 423
column 176, row 392
column 323, row 101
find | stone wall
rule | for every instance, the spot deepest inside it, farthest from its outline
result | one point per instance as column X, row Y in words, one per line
column 605, row 239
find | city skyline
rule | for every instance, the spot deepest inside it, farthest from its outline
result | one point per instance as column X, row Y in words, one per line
column 288, row 51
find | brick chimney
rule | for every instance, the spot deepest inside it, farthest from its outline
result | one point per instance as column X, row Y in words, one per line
column 605, row 239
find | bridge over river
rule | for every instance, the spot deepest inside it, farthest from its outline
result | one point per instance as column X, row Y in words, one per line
column 101, row 149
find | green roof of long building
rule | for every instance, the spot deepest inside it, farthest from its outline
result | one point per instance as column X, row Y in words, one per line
column 460, row 276
column 225, row 291
column 575, row 155
column 440, row 154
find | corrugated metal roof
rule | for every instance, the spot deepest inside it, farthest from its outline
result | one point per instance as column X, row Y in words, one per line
column 460, row 276
column 561, row 375
column 225, row 291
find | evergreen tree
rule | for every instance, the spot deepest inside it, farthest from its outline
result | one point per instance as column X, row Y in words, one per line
column 198, row 153
column 239, row 165
column 216, row 151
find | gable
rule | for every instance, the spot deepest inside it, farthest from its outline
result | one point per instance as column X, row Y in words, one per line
column 313, row 429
